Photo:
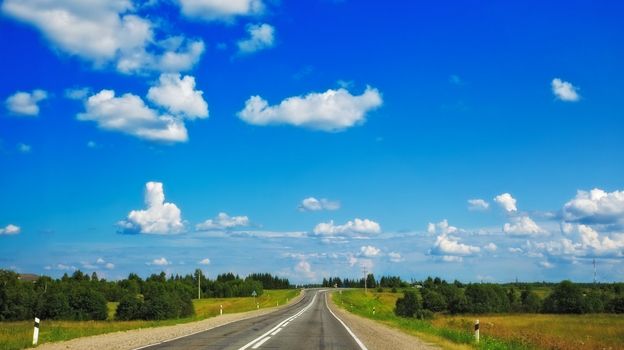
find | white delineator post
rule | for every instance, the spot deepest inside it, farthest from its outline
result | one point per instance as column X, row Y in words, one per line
column 257, row 305
column 36, row 332
column 221, row 309
column 476, row 328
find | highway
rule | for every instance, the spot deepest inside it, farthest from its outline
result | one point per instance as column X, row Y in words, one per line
column 308, row 324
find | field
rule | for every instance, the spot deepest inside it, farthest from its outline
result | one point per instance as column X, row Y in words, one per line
column 18, row 335
column 513, row 331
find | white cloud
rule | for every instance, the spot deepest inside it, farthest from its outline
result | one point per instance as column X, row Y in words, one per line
column 77, row 93
column 261, row 36
column 441, row 227
column 24, row 148
column 515, row 250
column 395, row 257
column 160, row 262
column 130, row 115
column 100, row 261
column 100, row 31
column 159, row 217
column 205, row 261
column 223, row 222
column 546, row 264
column 303, row 268
column 369, row 251
column 595, row 207
column 313, row 204
column 220, row 10
column 333, row 110
column 179, row 96
column 10, row 229
column 523, row 226
column 507, row 202
column 564, row 90
column 490, row 247
column 25, row 103
column 356, row 227
column 109, row 266
column 181, row 54
column 591, row 239
column 92, row 144
column 452, row 259
column 450, row 245
column 478, row 204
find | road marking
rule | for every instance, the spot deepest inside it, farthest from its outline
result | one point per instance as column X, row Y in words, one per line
column 277, row 331
column 357, row 340
column 259, row 344
column 262, row 338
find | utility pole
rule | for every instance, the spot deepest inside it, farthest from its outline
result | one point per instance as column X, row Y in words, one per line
column 365, row 278
column 594, row 271
column 198, row 283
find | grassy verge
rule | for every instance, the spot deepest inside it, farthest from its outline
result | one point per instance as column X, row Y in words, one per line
column 513, row 332
column 18, row 335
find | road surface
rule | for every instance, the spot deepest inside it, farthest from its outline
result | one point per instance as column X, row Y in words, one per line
column 306, row 325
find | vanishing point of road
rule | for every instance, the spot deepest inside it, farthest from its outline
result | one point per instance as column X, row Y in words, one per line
column 306, row 325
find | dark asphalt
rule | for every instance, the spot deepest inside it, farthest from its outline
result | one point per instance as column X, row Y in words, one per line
column 306, row 325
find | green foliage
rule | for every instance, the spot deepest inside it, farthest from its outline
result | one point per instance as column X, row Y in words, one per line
column 87, row 303
column 433, row 300
column 566, row 298
column 408, row 306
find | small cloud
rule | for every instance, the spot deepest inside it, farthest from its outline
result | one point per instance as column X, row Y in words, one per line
column 507, row 202
column 564, row 90
column 313, row 204
column 92, row 144
column 10, row 229
column 395, row 257
column 24, row 148
column 159, row 218
column 26, row 103
column 303, row 268
column 77, row 93
column 546, row 264
column 452, row 259
column 490, row 247
column 478, row 204
column 261, row 36
column 441, row 227
column 109, row 266
column 223, row 222
column 523, row 226
column 205, row 261
column 357, row 227
column 455, row 80
column 369, row 251
column 159, row 262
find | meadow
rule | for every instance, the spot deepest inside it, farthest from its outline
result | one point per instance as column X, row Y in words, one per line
column 18, row 335
column 498, row 331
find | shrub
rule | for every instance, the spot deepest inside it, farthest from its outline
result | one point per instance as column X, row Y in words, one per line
column 566, row 298
column 130, row 308
column 616, row 305
column 408, row 305
column 55, row 306
column 87, row 304
column 433, row 301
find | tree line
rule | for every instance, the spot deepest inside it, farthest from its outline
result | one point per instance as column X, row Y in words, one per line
column 84, row 297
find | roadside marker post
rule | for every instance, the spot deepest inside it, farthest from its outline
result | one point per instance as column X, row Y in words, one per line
column 374, row 311
column 36, row 332
column 257, row 305
column 476, row 328
column 221, row 309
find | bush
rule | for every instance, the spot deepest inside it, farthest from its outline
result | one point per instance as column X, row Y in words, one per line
column 530, row 302
column 55, row 306
column 566, row 298
column 408, row 305
column 394, row 290
column 87, row 304
column 616, row 305
column 130, row 308
column 433, row 301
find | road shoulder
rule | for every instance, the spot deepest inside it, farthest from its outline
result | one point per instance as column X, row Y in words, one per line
column 138, row 338
column 376, row 335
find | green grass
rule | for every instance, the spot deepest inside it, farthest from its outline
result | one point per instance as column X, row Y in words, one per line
column 18, row 335
column 500, row 331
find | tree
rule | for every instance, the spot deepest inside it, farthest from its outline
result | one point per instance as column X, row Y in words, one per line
column 408, row 305
column 433, row 300
column 566, row 298
column 130, row 308
column 87, row 303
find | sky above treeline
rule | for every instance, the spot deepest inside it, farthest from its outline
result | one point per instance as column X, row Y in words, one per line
column 479, row 141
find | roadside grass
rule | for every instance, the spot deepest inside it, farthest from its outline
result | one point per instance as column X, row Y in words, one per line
column 18, row 335
column 498, row 332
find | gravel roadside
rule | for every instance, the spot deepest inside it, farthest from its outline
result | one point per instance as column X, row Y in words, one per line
column 376, row 335
column 135, row 338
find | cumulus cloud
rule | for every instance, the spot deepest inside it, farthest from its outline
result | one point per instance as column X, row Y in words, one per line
column 452, row 259
column 25, row 103
column 159, row 218
column 478, row 204
column 546, row 264
column 261, row 36
column 129, row 114
column 178, row 96
column 564, row 90
column 600, row 245
column 507, row 202
column 205, row 261
column 313, row 204
column 441, row 227
column 357, row 227
column 490, row 247
column 450, row 245
column 333, row 110
column 220, row 10
column 595, row 207
column 10, row 229
column 523, row 226
column 369, row 251
column 395, row 257
column 223, row 222
column 159, row 262
column 303, row 268
column 24, row 148
column 100, row 31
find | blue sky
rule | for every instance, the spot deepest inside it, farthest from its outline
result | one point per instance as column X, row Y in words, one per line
column 477, row 141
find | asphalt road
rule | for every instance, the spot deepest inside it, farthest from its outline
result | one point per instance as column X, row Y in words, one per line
column 306, row 325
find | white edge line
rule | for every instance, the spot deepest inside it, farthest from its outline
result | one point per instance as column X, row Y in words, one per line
column 207, row 329
column 357, row 340
column 259, row 344
column 277, row 331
